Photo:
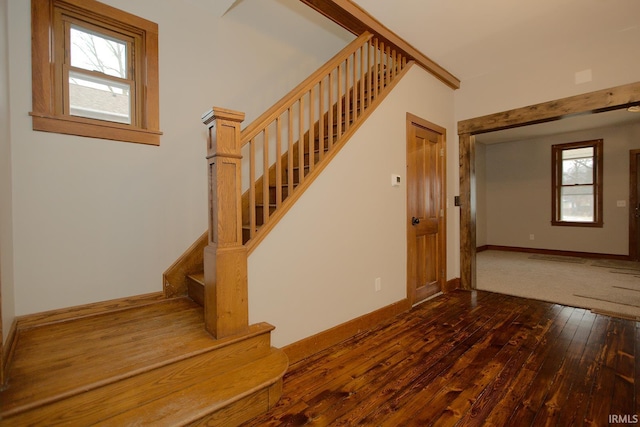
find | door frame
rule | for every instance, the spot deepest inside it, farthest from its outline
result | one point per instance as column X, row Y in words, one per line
column 413, row 120
column 589, row 103
column 633, row 202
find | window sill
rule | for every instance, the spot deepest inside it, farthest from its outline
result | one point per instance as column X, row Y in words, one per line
column 578, row 224
column 94, row 129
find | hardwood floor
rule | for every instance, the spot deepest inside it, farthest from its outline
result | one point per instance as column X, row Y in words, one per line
column 471, row 358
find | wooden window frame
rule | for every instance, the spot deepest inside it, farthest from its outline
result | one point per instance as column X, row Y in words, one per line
column 556, row 182
column 49, row 89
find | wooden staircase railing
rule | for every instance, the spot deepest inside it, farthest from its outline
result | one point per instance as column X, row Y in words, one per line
column 290, row 140
column 283, row 150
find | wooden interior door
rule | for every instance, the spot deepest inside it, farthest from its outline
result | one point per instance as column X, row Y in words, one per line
column 426, row 250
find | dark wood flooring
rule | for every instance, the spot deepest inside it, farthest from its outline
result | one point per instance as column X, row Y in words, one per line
column 471, row 358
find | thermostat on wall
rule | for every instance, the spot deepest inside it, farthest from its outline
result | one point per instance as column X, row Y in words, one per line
column 395, row 180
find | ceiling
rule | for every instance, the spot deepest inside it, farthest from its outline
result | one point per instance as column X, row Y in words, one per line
column 470, row 38
column 474, row 37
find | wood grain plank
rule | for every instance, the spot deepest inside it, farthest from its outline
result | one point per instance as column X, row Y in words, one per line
column 472, row 359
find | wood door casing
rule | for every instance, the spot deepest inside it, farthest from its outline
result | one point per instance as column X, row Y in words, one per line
column 426, row 219
column 634, row 205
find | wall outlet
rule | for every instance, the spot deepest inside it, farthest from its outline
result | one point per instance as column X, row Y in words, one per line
column 378, row 284
column 532, row 237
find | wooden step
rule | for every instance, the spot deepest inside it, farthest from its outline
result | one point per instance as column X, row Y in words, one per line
column 195, row 287
column 152, row 365
column 260, row 212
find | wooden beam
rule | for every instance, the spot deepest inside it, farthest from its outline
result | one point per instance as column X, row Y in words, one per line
column 467, row 212
column 593, row 102
column 353, row 18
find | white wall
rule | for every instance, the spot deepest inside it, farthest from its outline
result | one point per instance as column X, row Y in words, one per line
column 95, row 220
column 612, row 58
column 6, row 233
column 518, row 193
column 317, row 267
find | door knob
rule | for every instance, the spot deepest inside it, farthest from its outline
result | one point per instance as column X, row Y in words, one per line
column 415, row 221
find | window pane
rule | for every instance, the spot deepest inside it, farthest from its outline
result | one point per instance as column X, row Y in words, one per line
column 97, row 52
column 577, row 204
column 577, row 170
column 98, row 98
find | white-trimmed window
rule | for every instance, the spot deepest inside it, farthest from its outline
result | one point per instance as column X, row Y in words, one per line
column 95, row 71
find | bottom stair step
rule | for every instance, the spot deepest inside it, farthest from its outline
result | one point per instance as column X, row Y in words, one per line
column 178, row 394
column 148, row 365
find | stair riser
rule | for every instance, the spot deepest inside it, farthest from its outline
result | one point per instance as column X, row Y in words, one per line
column 89, row 407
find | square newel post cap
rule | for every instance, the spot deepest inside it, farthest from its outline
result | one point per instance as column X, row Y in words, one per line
column 210, row 116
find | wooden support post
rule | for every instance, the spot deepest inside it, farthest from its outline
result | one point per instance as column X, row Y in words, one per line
column 467, row 211
column 226, row 309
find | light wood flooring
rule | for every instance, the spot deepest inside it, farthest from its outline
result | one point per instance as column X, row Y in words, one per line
column 471, row 358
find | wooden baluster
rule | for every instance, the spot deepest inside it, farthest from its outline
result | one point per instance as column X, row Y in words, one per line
column 387, row 75
column 339, row 103
column 331, row 118
column 321, row 120
column 312, row 121
column 379, row 70
column 301, row 141
column 346, row 94
column 354, row 97
column 361, row 80
column 278, row 163
column 370, row 52
column 392, row 60
column 226, row 310
column 290, row 153
column 265, row 176
column 252, row 187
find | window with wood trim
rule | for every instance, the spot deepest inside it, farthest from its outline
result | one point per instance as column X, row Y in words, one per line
column 94, row 71
column 577, row 184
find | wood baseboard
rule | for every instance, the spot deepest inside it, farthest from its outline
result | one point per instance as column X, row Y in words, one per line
column 66, row 314
column 7, row 349
column 308, row 346
column 453, row 284
column 552, row 252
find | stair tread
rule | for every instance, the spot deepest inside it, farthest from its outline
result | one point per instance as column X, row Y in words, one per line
column 68, row 358
column 171, row 395
column 197, row 277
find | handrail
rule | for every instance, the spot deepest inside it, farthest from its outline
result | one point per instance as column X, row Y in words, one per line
column 288, row 145
column 310, row 121
column 285, row 148
column 279, row 107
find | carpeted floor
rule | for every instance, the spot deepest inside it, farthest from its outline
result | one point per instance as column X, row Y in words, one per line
column 607, row 286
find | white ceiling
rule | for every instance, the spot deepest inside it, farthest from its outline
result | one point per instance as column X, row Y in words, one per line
column 473, row 37
column 470, row 38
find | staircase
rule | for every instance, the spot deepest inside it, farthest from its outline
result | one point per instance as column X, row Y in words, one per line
column 335, row 100
column 149, row 361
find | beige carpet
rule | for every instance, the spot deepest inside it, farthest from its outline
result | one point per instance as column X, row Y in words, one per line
column 601, row 285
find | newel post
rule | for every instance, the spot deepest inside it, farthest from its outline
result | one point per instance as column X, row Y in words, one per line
column 226, row 309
